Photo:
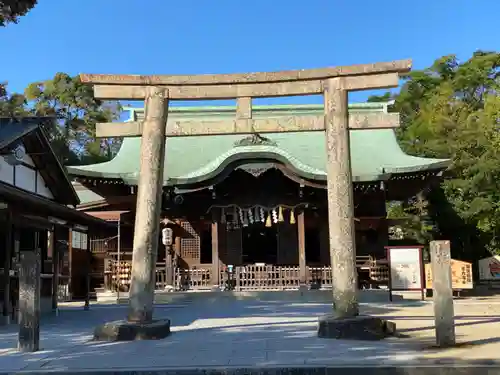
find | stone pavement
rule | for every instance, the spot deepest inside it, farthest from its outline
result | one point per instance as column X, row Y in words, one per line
column 246, row 333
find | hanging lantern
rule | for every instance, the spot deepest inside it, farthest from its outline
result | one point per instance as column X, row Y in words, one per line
column 268, row 221
column 262, row 215
column 240, row 214
column 223, row 215
column 167, row 236
column 280, row 215
column 250, row 216
column 275, row 216
column 292, row 217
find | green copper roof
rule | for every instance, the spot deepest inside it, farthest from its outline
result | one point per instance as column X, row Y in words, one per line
column 374, row 153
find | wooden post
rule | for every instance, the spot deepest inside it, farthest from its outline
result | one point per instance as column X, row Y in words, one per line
column 29, row 301
column 70, row 263
column 149, row 198
column 87, row 273
column 302, row 247
column 215, row 254
column 55, row 269
column 340, row 200
column 175, row 263
column 169, row 271
column 442, row 293
column 6, row 310
column 107, row 275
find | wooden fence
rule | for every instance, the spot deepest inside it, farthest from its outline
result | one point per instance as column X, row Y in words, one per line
column 371, row 273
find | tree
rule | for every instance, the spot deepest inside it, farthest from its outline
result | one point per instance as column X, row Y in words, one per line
column 452, row 110
column 73, row 104
column 11, row 105
column 11, row 10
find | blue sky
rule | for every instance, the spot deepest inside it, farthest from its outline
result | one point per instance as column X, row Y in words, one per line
column 223, row 36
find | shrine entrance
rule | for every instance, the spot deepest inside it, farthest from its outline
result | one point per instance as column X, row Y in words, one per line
column 157, row 91
column 260, row 244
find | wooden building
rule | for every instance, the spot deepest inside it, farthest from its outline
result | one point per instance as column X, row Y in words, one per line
column 257, row 203
column 37, row 214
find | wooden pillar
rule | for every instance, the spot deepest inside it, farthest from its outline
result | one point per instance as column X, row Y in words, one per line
column 29, row 301
column 215, row 254
column 70, row 263
column 175, row 262
column 107, row 275
column 9, row 244
column 87, row 273
column 340, row 200
column 169, row 270
column 149, row 198
column 52, row 240
column 442, row 293
column 302, row 247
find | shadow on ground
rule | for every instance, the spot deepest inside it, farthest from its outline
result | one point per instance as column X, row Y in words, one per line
column 230, row 333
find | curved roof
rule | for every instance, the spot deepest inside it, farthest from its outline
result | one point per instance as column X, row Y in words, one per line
column 374, row 153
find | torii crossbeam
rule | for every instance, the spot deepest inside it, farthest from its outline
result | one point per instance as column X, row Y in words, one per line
column 156, row 90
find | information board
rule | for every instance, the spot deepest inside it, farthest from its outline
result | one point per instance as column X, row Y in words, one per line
column 461, row 275
column 489, row 268
column 405, row 268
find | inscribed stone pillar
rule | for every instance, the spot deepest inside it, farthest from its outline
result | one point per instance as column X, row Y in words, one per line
column 442, row 293
column 29, row 301
column 149, row 198
column 340, row 200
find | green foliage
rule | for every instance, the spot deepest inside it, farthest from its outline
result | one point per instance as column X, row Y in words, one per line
column 11, row 10
column 11, row 105
column 73, row 105
column 415, row 222
column 452, row 110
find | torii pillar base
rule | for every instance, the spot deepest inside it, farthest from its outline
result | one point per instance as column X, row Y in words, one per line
column 362, row 327
column 130, row 331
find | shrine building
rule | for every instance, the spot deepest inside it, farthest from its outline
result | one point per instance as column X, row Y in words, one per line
column 44, row 241
column 257, row 203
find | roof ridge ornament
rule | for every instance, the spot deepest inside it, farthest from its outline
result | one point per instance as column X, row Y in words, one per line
column 255, row 139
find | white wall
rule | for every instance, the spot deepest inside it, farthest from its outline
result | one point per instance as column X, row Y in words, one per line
column 24, row 177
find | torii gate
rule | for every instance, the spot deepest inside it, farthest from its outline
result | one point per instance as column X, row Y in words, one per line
column 156, row 90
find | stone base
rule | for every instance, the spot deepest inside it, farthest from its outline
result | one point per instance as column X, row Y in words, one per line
column 361, row 327
column 128, row 331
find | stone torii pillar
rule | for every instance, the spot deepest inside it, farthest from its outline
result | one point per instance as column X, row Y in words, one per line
column 334, row 83
column 140, row 323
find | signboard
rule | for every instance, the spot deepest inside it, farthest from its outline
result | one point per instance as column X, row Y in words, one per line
column 461, row 275
column 489, row 268
column 405, row 268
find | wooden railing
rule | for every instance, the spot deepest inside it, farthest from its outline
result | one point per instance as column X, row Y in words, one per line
column 371, row 273
column 264, row 277
column 199, row 278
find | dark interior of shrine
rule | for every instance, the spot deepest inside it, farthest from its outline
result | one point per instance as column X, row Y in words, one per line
column 260, row 244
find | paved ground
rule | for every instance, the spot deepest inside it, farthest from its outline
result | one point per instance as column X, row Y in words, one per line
column 252, row 333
